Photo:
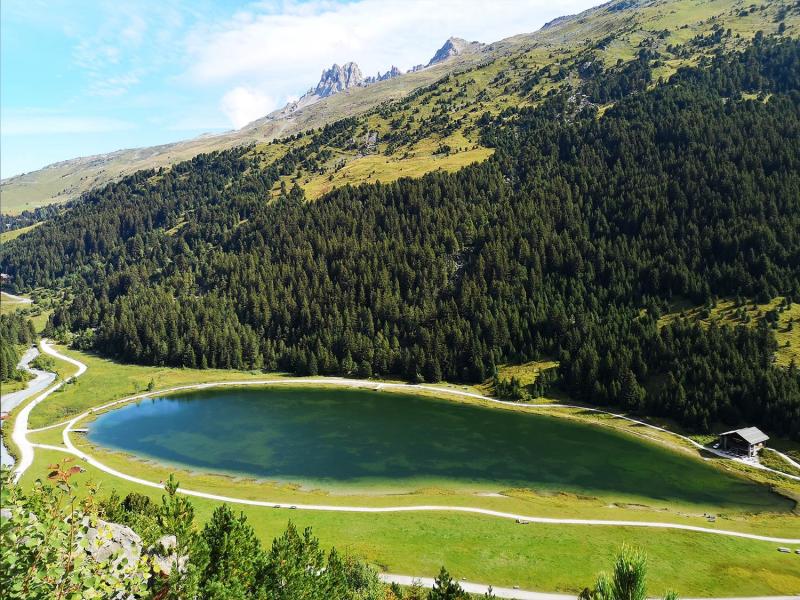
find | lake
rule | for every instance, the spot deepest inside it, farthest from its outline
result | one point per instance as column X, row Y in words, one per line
column 346, row 439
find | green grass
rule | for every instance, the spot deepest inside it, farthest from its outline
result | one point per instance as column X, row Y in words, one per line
column 773, row 461
column 516, row 58
column 365, row 442
column 9, row 304
column 377, row 167
column 7, row 236
column 38, row 313
column 725, row 313
column 9, row 387
column 106, row 380
column 543, row 557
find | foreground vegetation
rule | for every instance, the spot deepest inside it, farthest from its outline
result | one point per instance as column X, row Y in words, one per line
column 622, row 179
column 60, row 558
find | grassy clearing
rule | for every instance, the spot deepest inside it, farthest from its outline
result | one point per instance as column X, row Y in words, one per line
column 787, row 331
column 527, row 374
column 9, row 387
column 9, row 304
column 38, row 311
column 106, row 381
column 7, row 236
column 378, row 167
column 773, row 461
column 518, row 501
column 544, row 557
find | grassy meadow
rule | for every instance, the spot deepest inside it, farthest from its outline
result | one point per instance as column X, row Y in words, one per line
column 561, row 558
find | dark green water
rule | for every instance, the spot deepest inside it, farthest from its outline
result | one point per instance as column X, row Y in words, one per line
column 358, row 439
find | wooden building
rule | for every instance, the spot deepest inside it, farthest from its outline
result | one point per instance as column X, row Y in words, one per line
column 747, row 441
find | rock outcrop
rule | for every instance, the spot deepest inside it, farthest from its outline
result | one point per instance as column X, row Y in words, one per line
column 337, row 79
column 165, row 556
column 454, row 46
column 391, row 73
column 111, row 541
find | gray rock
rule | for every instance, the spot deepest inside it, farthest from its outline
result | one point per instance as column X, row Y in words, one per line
column 165, row 557
column 337, row 79
column 107, row 541
column 454, row 46
column 390, row 74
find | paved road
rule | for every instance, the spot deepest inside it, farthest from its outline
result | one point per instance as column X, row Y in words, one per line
column 20, row 433
column 8, row 402
column 476, row 588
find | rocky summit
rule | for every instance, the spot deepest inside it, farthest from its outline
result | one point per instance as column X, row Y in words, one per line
column 338, row 78
column 393, row 72
column 453, row 47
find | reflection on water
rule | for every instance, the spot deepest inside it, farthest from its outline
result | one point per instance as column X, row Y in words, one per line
column 347, row 437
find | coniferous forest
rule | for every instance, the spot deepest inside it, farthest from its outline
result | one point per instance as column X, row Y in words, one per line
column 16, row 331
column 569, row 243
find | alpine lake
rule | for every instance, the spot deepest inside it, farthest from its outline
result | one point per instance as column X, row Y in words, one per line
column 349, row 440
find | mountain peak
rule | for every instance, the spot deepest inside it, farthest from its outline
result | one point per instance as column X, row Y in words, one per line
column 338, row 78
column 453, row 47
column 393, row 72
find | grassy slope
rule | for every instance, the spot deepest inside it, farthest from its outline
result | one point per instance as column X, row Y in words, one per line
column 490, row 80
column 7, row 236
column 66, row 180
column 106, row 380
column 492, row 87
column 38, row 311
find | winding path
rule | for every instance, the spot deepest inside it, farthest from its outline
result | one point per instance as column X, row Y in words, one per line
column 27, row 451
column 20, row 433
column 516, row 594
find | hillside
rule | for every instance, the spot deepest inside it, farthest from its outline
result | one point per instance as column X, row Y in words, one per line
column 611, row 186
column 510, row 73
column 66, row 180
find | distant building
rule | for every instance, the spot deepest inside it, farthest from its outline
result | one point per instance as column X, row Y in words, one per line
column 746, row 441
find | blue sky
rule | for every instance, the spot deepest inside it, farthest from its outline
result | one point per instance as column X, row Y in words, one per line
column 82, row 77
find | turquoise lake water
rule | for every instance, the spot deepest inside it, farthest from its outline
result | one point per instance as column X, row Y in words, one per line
column 349, row 439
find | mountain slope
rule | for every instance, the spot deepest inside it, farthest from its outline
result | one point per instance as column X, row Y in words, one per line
column 609, row 194
column 499, row 72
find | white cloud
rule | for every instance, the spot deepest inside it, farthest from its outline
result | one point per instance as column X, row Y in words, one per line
column 294, row 41
column 277, row 49
column 242, row 105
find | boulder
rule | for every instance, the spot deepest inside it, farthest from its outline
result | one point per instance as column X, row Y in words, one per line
column 110, row 541
column 165, row 556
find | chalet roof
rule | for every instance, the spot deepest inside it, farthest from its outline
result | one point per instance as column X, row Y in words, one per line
column 751, row 435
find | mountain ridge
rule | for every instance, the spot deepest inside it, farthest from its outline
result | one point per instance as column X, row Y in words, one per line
column 615, row 30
